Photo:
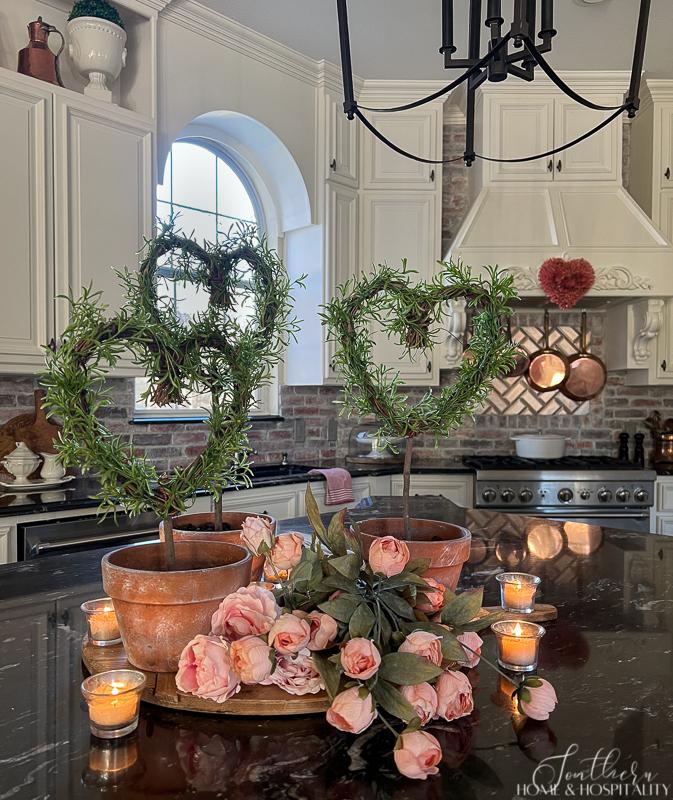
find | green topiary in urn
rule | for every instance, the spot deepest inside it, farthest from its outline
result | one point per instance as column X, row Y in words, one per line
column 96, row 8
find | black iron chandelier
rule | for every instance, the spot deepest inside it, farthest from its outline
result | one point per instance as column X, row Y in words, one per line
column 514, row 52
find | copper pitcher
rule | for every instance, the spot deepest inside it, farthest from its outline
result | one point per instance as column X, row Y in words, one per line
column 37, row 60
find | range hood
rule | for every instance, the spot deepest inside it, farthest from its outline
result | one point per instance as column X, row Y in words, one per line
column 518, row 218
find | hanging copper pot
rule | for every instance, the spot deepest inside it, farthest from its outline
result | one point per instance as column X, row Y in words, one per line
column 521, row 359
column 587, row 374
column 548, row 368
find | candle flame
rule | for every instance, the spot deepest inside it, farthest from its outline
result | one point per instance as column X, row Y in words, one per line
column 107, row 608
column 517, row 630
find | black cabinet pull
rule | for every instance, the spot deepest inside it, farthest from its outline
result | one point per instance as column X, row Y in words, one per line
column 667, row 174
column 559, row 165
column 663, row 365
column 333, row 165
column 550, row 166
column 429, row 366
column 432, row 175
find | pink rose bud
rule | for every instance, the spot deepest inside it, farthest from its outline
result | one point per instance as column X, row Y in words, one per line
column 257, row 534
column 434, row 597
column 388, row 556
column 286, row 551
column 323, row 629
column 289, row 634
column 423, row 698
column 360, row 658
column 351, row 713
column 249, row 611
column 474, row 642
column 424, row 644
column 540, row 698
column 417, row 755
column 296, row 674
column 454, row 695
column 251, row 658
column 205, row 670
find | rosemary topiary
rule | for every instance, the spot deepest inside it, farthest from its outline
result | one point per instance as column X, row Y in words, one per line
column 96, row 8
column 216, row 351
column 411, row 313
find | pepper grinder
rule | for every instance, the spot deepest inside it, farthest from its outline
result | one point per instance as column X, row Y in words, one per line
column 623, row 454
column 639, row 450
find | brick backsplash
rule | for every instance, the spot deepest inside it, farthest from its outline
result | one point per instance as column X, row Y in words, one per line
column 618, row 408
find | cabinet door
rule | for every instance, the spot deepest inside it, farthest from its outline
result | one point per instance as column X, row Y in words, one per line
column 104, row 191
column 666, row 145
column 665, row 221
column 664, row 525
column 418, row 132
column 457, row 488
column 341, row 249
column 7, row 543
column 598, row 157
column 518, row 128
column 26, row 321
column 397, row 225
column 280, row 502
column 342, row 144
column 663, row 366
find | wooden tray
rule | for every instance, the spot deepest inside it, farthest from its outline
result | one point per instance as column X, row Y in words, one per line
column 160, row 690
column 542, row 613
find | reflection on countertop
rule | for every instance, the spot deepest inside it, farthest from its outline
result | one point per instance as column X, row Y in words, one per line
column 608, row 656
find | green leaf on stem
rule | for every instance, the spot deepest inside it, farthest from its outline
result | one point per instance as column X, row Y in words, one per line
column 342, row 608
column 480, row 623
column 391, row 700
column 336, row 538
column 329, row 672
column 418, row 565
column 313, row 514
column 348, row 565
column 398, row 605
column 362, row 621
column 336, row 581
column 406, row 669
column 463, row 608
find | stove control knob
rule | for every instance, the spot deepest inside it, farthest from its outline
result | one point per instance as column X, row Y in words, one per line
column 641, row 496
column 565, row 495
column 525, row 495
column 604, row 495
column 507, row 495
column 488, row 495
column 623, row 495
column 585, row 494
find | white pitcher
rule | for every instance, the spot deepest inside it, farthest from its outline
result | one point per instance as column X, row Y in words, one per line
column 52, row 469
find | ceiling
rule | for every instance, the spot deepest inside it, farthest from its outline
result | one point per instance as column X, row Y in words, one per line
column 399, row 38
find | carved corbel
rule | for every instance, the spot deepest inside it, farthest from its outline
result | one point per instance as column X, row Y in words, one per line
column 455, row 332
column 647, row 319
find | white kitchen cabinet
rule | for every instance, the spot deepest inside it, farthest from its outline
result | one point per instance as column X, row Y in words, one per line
column 103, row 190
column 281, row 502
column 519, row 127
column 7, row 543
column 362, row 488
column 26, row 318
column 661, row 515
column 341, row 142
column 457, row 488
column 596, row 158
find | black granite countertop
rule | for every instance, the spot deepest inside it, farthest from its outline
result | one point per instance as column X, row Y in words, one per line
column 609, row 656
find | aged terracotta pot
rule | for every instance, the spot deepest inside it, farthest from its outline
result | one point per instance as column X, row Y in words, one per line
column 233, row 519
column 160, row 611
column 445, row 544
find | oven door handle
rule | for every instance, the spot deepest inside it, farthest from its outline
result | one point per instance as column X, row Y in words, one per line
column 598, row 513
column 61, row 544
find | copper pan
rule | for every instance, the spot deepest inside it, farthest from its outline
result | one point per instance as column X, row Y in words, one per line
column 548, row 369
column 587, row 374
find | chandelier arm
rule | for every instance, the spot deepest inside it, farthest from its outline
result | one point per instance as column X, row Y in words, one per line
column 562, row 85
column 483, row 61
column 562, row 147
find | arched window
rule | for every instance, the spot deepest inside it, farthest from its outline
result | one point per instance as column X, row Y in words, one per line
column 207, row 193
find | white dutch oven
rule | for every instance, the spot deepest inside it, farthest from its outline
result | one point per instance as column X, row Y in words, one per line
column 540, row 445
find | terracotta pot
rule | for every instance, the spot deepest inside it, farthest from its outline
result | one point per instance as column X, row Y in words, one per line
column 233, row 519
column 445, row 544
column 160, row 611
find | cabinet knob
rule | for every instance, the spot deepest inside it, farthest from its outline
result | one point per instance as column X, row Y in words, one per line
column 432, row 175
column 550, row 165
column 663, row 365
column 559, row 165
column 333, row 165
column 667, row 174
column 429, row 366
column 52, row 345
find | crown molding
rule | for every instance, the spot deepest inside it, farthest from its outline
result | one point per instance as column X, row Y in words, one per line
column 400, row 91
column 199, row 19
column 657, row 90
column 593, row 81
column 329, row 77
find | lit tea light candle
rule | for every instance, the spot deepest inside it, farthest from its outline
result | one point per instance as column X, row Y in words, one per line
column 113, row 699
column 517, row 591
column 518, row 644
column 101, row 622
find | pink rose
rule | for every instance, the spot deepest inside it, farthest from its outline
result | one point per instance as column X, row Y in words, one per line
column 323, row 629
column 289, row 634
column 474, row 642
column 350, row 713
column 434, row 597
column 542, row 699
column 251, row 658
column 417, row 755
column 424, row 644
column 249, row 611
column 360, row 658
column 423, row 698
column 205, row 669
column 296, row 674
column 257, row 534
column 388, row 556
column 286, row 551
column 454, row 695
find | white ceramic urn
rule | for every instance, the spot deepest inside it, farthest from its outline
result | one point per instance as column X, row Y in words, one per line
column 97, row 48
column 20, row 462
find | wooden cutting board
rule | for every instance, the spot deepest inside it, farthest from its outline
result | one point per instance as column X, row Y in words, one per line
column 32, row 428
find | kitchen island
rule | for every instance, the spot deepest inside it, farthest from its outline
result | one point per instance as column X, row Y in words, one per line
column 609, row 656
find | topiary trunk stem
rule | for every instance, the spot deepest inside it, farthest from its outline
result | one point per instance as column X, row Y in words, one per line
column 169, row 543
column 407, row 484
column 217, row 508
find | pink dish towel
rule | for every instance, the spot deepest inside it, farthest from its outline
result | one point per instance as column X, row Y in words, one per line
column 339, row 488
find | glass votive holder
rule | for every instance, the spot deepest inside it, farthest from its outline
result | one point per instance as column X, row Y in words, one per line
column 101, row 622
column 517, row 591
column 113, row 699
column 518, row 644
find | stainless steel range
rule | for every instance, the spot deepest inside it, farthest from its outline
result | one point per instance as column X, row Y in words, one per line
column 592, row 489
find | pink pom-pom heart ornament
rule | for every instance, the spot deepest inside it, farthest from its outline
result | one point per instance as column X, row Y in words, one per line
column 566, row 281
